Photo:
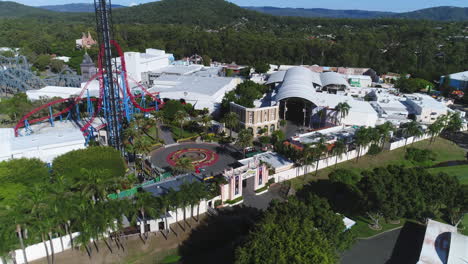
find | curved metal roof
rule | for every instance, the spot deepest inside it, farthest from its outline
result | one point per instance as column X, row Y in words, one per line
column 298, row 82
column 333, row 78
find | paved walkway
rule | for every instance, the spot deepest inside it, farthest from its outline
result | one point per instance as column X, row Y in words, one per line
column 399, row 246
column 166, row 135
column 261, row 201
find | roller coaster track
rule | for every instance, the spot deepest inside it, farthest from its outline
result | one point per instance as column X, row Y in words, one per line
column 74, row 101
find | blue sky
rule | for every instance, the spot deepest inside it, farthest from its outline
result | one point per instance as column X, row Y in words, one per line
column 378, row 5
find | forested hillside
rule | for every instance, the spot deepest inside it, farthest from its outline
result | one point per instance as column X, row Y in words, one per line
column 226, row 32
column 441, row 13
column 78, row 7
column 319, row 12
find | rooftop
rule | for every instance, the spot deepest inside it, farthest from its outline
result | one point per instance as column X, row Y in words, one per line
column 190, row 84
column 41, row 142
column 161, row 188
column 274, row 159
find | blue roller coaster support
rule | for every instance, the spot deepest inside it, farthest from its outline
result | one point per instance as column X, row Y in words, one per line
column 89, row 105
column 78, row 112
column 51, row 117
column 27, row 128
column 128, row 107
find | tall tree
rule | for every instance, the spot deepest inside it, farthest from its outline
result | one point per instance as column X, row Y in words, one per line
column 244, row 139
column 180, row 118
column 232, row 122
column 342, row 109
column 339, row 149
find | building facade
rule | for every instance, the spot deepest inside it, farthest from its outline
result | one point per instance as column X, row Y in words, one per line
column 239, row 178
column 88, row 69
column 260, row 121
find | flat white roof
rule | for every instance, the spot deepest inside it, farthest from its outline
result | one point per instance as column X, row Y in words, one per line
column 45, row 142
column 53, row 91
column 274, row 159
column 180, row 69
column 190, row 84
column 463, row 76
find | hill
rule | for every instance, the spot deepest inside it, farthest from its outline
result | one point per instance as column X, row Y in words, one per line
column 13, row 9
column 319, row 12
column 206, row 13
column 74, row 7
column 441, row 13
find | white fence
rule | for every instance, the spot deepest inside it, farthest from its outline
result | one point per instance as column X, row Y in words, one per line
column 324, row 163
column 37, row 251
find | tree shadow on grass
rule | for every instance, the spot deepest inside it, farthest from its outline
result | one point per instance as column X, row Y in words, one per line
column 217, row 237
column 408, row 245
column 341, row 197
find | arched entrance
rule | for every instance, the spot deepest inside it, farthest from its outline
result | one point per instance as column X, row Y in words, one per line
column 297, row 110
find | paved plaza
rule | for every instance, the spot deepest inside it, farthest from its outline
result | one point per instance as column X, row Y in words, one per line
column 227, row 156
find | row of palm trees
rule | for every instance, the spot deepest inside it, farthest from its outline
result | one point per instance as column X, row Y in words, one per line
column 58, row 208
column 379, row 135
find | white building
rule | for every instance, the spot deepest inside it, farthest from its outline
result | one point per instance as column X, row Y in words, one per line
column 359, row 80
column 63, row 58
column 63, row 92
column 201, row 92
column 45, row 143
column 138, row 63
column 425, row 108
column 302, row 83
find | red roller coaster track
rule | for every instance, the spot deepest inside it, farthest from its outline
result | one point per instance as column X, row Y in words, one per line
column 76, row 100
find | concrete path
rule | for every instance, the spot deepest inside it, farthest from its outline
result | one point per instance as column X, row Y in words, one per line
column 166, row 135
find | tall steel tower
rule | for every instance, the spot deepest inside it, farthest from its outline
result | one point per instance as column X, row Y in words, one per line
column 111, row 94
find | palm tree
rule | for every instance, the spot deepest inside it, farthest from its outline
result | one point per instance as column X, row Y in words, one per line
column 180, row 117
column 361, row 138
column 206, row 121
column 185, row 191
column 318, row 150
column 454, row 124
column 201, row 193
column 174, row 200
column 184, row 165
column 411, row 129
column 144, row 202
column 244, row 139
column 385, row 131
column 159, row 118
column 343, row 110
column 339, row 149
column 95, row 184
column 232, row 121
column 435, row 129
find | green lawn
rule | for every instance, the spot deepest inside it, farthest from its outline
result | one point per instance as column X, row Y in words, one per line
column 461, row 172
column 362, row 230
column 171, row 259
column 445, row 151
column 185, row 133
column 465, row 225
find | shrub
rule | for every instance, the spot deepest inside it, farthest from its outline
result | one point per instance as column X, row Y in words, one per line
column 345, row 176
column 217, row 203
column 419, row 155
column 374, row 149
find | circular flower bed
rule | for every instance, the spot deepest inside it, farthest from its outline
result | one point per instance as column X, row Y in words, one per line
column 200, row 157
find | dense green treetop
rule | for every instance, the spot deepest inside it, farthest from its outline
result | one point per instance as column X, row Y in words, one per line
column 296, row 232
column 106, row 159
column 20, row 176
